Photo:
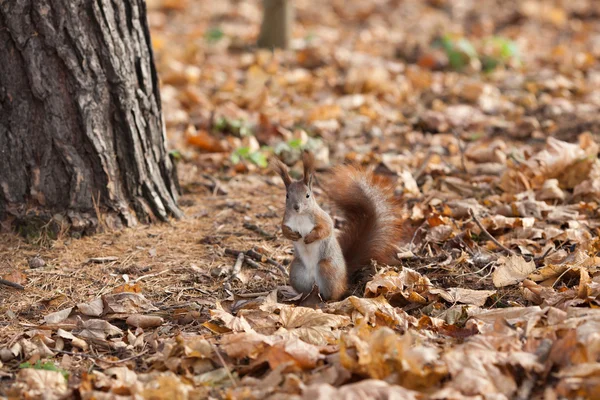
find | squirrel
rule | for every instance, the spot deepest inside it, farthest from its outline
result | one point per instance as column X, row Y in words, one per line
column 373, row 227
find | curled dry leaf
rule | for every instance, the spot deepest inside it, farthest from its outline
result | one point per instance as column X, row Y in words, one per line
column 274, row 349
column 92, row 309
column 144, row 321
column 369, row 389
column 511, row 270
column 405, row 282
column 312, row 326
column 465, row 296
column 236, row 324
column 98, row 329
column 39, row 383
column 58, row 316
column 380, row 353
column 127, row 303
column 380, row 313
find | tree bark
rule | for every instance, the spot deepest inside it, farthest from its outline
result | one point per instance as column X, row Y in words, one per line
column 277, row 25
column 81, row 129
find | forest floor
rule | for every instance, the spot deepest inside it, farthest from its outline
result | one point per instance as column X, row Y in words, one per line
column 484, row 114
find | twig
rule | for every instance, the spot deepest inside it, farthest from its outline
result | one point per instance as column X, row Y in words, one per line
column 253, row 253
column 224, row 364
column 11, row 284
column 493, row 239
column 237, row 267
column 99, row 358
column 462, row 151
column 252, row 263
column 215, row 186
column 412, row 241
column 259, row 230
column 150, row 276
column 424, row 164
column 252, row 295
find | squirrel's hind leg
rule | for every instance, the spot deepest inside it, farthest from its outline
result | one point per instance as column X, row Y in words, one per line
column 301, row 278
column 331, row 280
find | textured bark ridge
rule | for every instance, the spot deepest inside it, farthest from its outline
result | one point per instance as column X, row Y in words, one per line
column 277, row 25
column 81, row 126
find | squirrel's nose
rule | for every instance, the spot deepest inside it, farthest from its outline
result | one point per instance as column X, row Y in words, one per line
column 297, row 207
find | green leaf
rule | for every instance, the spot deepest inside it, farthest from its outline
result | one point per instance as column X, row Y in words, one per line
column 220, row 124
column 176, row 154
column 243, row 151
column 456, row 59
column 259, row 159
column 467, row 48
column 214, row 34
column 245, row 130
column 295, row 143
column 48, row 366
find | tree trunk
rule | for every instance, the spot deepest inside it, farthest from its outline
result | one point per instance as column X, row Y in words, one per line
column 277, row 25
column 81, row 129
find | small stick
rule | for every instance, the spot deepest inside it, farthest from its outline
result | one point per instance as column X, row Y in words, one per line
column 11, row 284
column 252, row 295
column 252, row 263
column 99, row 358
column 259, row 230
column 253, row 253
column 237, row 267
column 424, row 164
column 493, row 239
column 224, row 364
column 462, row 151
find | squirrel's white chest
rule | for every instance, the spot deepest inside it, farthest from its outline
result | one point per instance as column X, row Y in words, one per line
column 308, row 253
column 300, row 223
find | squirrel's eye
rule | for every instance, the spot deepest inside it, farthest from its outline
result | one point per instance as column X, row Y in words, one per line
column 307, row 195
column 287, row 196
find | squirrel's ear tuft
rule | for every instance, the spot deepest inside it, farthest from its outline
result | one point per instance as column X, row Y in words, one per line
column 281, row 169
column 308, row 160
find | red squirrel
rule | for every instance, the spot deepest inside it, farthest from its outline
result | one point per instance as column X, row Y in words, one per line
column 373, row 227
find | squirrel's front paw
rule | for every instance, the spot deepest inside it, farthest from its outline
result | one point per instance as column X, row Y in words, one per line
column 295, row 236
column 308, row 239
column 290, row 234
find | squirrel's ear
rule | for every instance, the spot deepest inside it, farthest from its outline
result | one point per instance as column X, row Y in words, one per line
column 281, row 169
column 308, row 160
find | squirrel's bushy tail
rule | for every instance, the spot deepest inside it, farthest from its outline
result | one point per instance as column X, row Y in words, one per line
column 374, row 224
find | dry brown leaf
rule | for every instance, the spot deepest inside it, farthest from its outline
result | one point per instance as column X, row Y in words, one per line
column 127, row 303
column 390, row 282
column 58, row 316
column 98, row 329
column 511, row 270
column 236, row 324
column 379, row 312
column 92, row 309
column 465, row 296
column 369, row 389
column 294, row 351
column 144, row 321
column 312, row 326
column 381, row 353
column 246, row 344
column 38, row 383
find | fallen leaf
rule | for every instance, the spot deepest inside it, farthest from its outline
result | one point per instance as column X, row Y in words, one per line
column 465, row 296
column 98, row 329
column 144, row 321
column 511, row 270
column 58, row 316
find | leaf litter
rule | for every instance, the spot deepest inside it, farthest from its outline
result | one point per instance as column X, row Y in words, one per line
column 484, row 114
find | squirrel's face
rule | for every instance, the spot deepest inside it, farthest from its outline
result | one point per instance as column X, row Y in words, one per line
column 299, row 197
